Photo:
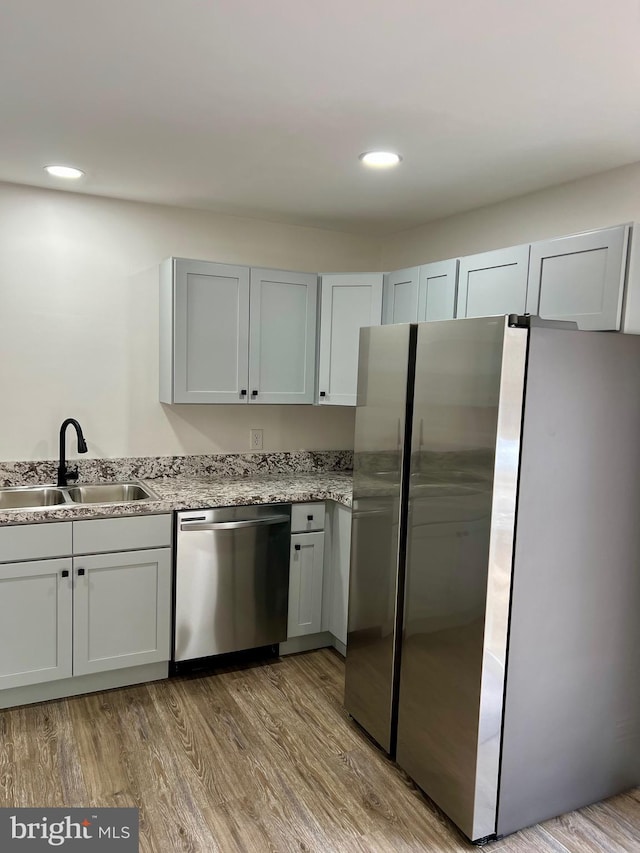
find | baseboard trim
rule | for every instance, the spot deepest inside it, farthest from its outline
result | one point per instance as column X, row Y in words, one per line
column 339, row 646
column 310, row 642
column 306, row 643
column 83, row 684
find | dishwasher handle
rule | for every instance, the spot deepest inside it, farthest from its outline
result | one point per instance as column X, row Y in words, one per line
column 233, row 525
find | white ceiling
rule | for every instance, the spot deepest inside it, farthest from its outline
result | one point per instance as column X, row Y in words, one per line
column 261, row 107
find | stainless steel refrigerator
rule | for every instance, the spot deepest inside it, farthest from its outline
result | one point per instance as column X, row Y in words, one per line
column 494, row 614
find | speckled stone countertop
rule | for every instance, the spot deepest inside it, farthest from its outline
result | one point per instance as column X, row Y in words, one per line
column 199, row 492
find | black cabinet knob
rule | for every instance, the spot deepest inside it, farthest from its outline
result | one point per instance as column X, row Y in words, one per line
column 309, row 518
column 323, row 393
column 297, row 547
column 65, row 573
column 254, row 393
column 243, row 393
column 80, row 571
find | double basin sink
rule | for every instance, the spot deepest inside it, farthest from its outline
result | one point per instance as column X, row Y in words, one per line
column 42, row 497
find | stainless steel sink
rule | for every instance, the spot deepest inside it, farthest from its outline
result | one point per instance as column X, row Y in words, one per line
column 31, row 497
column 105, row 493
column 41, row 497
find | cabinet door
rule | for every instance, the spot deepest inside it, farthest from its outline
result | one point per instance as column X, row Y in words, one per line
column 493, row 283
column 400, row 296
column 349, row 302
column 580, row 278
column 282, row 336
column 210, row 333
column 437, row 291
column 35, row 622
column 121, row 610
column 340, row 561
column 305, row 584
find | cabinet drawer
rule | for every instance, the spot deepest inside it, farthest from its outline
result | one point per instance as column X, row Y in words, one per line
column 307, row 517
column 35, row 541
column 121, row 534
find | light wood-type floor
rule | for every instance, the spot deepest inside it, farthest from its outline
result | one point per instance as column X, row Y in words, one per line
column 257, row 759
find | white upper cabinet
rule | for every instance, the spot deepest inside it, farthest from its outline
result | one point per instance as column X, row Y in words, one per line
column 437, row 291
column 400, row 296
column 493, row 283
column 349, row 302
column 230, row 337
column 204, row 332
column 282, row 336
column 580, row 278
column 420, row 293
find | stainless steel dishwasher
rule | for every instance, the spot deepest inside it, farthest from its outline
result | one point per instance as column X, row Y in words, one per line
column 232, row 579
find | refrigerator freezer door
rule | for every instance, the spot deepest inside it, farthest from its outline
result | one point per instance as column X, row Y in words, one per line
column 462, row 497
column 385, row 368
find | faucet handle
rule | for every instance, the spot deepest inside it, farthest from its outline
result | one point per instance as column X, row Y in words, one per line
column 72, row 474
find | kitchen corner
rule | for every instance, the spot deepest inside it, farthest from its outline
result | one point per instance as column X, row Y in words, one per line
column 102, row 576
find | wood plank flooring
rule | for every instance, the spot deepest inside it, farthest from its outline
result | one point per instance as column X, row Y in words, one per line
column 260, row 759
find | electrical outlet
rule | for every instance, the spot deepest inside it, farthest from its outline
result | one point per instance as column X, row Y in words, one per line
column 255, row 439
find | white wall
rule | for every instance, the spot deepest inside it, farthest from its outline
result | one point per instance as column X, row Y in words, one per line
column 608, row 198
column 79, row 325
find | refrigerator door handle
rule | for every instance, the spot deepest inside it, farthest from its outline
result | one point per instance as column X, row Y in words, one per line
column 233, row 525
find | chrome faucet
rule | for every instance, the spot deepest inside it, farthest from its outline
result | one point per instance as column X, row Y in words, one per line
column 63, row 473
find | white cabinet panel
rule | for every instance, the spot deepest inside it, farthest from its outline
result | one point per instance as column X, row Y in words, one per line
column 305, row 584
column 349, row 302
column 121, row 610
column 340, row 539
column 437, row 291
column 121, row 534
column 580, row 278
column 207, row 352
column 35, row 622
column 35, row 541
column 493, row 283
column 282, row 343
column 400, row 297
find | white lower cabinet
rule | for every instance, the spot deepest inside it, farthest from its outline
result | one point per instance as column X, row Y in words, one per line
column 72, row 615
column 121, row 610
column 35, row 622
column 305, row 584
column 318, row 577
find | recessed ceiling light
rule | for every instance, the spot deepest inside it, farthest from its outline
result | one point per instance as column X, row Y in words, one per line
column 64, row 171
column 380, row 158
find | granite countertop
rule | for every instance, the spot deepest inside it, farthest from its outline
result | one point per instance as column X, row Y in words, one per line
column 186, row 492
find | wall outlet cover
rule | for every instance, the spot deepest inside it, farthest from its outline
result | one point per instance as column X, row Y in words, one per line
column 255, row 439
